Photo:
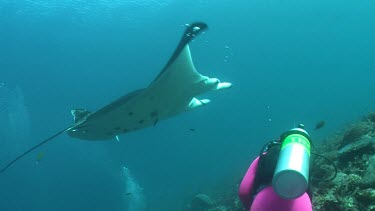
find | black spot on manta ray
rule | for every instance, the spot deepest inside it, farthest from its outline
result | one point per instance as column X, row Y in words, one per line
column 153, row 114
column 130, row 113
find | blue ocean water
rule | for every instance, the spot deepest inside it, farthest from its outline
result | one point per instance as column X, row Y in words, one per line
column 289, row 61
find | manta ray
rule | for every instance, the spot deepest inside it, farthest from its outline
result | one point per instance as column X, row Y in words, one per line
column 173, row 91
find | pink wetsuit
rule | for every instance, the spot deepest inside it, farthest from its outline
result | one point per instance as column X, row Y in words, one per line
column 267, row 199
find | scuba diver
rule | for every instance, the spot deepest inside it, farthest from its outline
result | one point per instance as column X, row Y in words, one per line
column 279, row 178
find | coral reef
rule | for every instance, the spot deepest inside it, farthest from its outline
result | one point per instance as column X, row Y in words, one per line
column 370, row 117
column 365, row 145
column 352, row 150
column 228, row 201
column 368, row 179
column 201, row 202
column 354, row 186
column 356, row 131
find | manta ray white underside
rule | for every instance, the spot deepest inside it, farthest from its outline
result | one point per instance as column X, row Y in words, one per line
column 173, row 91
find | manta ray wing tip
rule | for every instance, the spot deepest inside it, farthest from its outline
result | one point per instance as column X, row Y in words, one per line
column 224, row 85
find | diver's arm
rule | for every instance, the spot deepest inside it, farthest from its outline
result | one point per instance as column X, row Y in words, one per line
column 246, row 186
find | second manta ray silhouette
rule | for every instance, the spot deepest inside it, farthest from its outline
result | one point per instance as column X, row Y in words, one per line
column 172, row 92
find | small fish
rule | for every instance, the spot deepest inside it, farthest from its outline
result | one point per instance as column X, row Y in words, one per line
column 39, row 157
column 192, row 129
column 319, row 125
column 128, row 194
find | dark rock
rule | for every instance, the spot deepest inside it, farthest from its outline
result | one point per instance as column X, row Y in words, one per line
column 355, row 132
column 366, row 196
column 365, row 145
column 368, row 179
column 327, row 204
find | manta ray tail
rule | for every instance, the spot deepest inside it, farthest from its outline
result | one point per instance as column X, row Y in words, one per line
column 31, row 149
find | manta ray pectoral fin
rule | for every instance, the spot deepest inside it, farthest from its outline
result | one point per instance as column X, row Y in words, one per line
column 181, row 57
column 223, row 85
column 79, row 114
column 216, row 84
column 195, row 103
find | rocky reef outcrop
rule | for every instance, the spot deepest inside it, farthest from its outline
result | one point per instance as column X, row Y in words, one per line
column 353, row 152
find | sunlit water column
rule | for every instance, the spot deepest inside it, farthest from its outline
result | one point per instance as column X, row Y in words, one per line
column 133, row 194
column 15, row 119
